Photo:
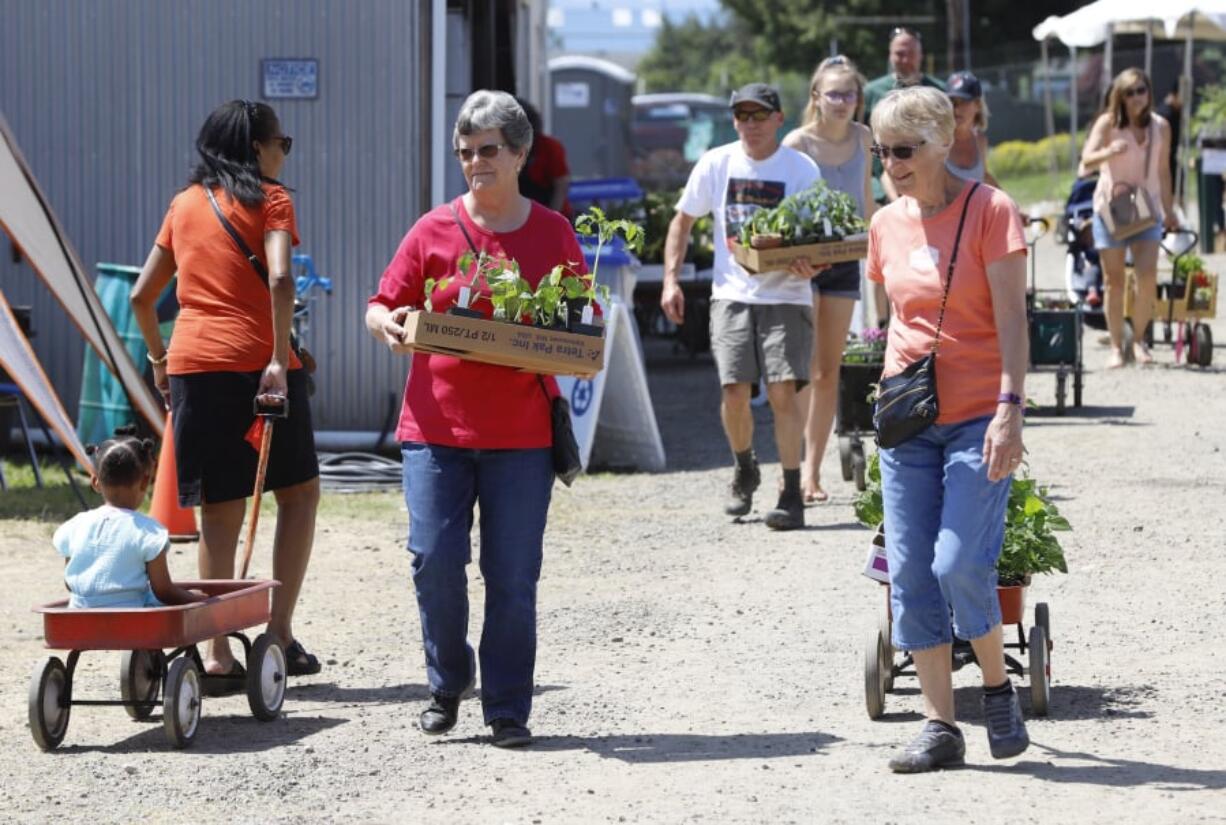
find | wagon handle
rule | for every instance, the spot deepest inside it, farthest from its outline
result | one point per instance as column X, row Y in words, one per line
column 270, row 413
column 1175, row 256
column 1032, row 220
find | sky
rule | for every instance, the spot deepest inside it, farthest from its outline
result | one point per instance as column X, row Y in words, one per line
column 617, row 26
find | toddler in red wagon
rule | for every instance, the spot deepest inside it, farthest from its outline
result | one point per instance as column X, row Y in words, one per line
column 115, row 556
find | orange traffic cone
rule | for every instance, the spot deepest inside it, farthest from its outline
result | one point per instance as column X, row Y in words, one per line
column 180, row 521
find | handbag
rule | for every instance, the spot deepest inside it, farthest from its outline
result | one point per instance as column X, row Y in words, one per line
column 907, row 402
column 566, row 461
column 1131, row 209
column 304, row 355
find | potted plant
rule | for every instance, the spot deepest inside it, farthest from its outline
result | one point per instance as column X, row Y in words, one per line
column 1030, row 546
column 805, row 220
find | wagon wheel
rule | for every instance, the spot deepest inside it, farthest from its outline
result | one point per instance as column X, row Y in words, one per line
column 140, row 676
column 1061, row 390
column 858, row 464
column 49, row 690
column 1040, row 672
column 883, row 627
column 266, row 678
column 1042, row 618
column 874, row 678
column 181, row 702
column 845, row 456
column 1203, row 338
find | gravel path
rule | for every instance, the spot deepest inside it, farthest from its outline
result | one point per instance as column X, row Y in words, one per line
column 695, row 670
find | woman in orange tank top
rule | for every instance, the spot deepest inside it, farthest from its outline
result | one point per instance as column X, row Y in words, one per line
column 1128, row 146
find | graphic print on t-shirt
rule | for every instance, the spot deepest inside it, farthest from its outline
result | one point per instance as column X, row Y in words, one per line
column 747, row 196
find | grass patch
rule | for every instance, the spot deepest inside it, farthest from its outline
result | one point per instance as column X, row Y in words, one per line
column 53, row 502
column 1039, row 186
column 382, row 506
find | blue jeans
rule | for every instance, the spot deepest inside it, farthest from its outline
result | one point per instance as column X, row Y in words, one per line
column 512, row 487
column 944, row 527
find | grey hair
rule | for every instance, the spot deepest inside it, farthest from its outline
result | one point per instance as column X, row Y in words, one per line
column 484, row 110
column 917, row 112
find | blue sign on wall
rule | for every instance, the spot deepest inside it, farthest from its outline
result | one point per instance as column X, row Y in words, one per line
column 289, row 78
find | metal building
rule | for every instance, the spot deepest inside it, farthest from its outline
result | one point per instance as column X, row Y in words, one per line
column 105, row 98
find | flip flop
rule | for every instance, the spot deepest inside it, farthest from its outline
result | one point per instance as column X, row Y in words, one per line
column 225, row 684
column 299, row 662
column 820, row 496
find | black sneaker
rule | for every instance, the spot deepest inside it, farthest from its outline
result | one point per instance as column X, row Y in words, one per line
column 937, row 746
column 1002, row 712
column 510, row 734
column 440, row 717
column 740, row 493
column 789, row 513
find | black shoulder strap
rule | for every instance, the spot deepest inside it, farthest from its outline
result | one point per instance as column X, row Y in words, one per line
column 255, row 262
column 953, row 259
column 456, row 214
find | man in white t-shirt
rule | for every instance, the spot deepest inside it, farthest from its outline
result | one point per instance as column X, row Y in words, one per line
column 761, row 325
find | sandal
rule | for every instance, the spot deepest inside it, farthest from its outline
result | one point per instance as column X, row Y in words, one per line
column 299, row 662
column 224, row 684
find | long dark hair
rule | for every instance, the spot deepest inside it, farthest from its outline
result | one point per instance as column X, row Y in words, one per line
column 227, row 156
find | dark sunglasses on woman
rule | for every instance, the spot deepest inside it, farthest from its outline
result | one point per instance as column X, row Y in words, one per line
column 903, row 152
column 1137, row 91
column 489, row 151
column 285, row 141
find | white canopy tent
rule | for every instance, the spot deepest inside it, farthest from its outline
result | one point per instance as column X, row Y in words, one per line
column 1099, row 22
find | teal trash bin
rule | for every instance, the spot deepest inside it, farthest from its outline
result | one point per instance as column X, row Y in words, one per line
column 104, row 405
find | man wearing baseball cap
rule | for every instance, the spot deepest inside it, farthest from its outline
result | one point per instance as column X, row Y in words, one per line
column 761, row 325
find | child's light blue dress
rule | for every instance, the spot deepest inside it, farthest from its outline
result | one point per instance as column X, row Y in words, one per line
column 107, row 549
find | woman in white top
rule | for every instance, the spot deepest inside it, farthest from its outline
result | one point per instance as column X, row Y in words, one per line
column 968, row 157
column 1128, row 147
column 840, row 146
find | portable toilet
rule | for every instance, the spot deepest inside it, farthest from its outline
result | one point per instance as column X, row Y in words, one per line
column 591, row 113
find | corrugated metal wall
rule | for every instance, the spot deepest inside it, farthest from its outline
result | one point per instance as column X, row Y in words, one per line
column 105, row 98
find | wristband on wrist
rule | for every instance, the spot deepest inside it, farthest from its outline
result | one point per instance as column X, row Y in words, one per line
column 157, row 362
column 1009, row 398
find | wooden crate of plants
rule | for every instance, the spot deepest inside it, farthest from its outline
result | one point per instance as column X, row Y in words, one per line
column 818, row 224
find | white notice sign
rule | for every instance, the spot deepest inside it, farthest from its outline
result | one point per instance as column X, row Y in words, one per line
column 572, row 95
column 290, row 78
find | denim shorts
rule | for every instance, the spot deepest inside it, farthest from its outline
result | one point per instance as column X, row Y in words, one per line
column 841, row 280
column 944, row 527
column 1103, row 239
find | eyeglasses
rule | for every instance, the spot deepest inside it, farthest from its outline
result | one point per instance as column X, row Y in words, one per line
column 1137, row 91
column 756, row 115
column 285, row 141
column 840, row 97
column 903, row 152
column 836, row 60
column 489, row 151
column 899, row 30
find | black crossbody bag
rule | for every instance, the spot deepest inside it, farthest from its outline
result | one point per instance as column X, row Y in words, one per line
column 907, row 402
column 566, row 461
column 304, row 355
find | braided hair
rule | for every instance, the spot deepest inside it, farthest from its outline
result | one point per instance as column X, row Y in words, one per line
column 123, row 460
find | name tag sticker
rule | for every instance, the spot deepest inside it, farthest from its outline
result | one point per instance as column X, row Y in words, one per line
column 925, row 258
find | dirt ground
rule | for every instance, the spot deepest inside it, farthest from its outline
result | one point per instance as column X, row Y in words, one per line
column 695, row 670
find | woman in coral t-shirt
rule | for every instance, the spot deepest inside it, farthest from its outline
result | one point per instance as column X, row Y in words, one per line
column 945, row 489
column 231, row 345
column 474, row 433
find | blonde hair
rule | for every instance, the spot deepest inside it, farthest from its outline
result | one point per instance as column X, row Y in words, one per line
column 839, row 64
column 982, row 115
column 920, row 112
column 1116, row 100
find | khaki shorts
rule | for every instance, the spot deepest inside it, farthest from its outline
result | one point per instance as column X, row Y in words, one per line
column 751, row 342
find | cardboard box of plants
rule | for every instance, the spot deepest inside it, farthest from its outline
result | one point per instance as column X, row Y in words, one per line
column 819, row 224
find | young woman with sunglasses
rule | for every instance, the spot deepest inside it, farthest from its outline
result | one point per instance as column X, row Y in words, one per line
column 968, row 157
column 830, row 135
column 230, row 345
column 473, row 434
column 1128, row 146
column 945, row 489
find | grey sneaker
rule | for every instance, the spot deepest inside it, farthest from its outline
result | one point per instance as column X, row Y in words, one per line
column 936, row 747
column 740, row 494
column 1002, row 713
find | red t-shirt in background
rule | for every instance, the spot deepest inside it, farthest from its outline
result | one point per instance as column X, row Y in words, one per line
column 225, row 309
column 548, row 163
column 457, row 403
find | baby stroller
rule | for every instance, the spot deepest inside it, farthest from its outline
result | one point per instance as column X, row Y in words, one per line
column 1083, row 276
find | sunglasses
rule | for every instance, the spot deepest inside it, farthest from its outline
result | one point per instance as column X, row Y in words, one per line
column 903, row 152
column 840, row 97
column 899, row 30
column 1137, row 91
column 756, row 115
column 285, row 141
column 489, row 151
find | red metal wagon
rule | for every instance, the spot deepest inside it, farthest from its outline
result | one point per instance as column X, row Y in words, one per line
column 146, row 671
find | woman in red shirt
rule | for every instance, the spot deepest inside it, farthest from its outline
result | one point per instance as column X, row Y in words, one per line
column 230, row 345
column 474, row 433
